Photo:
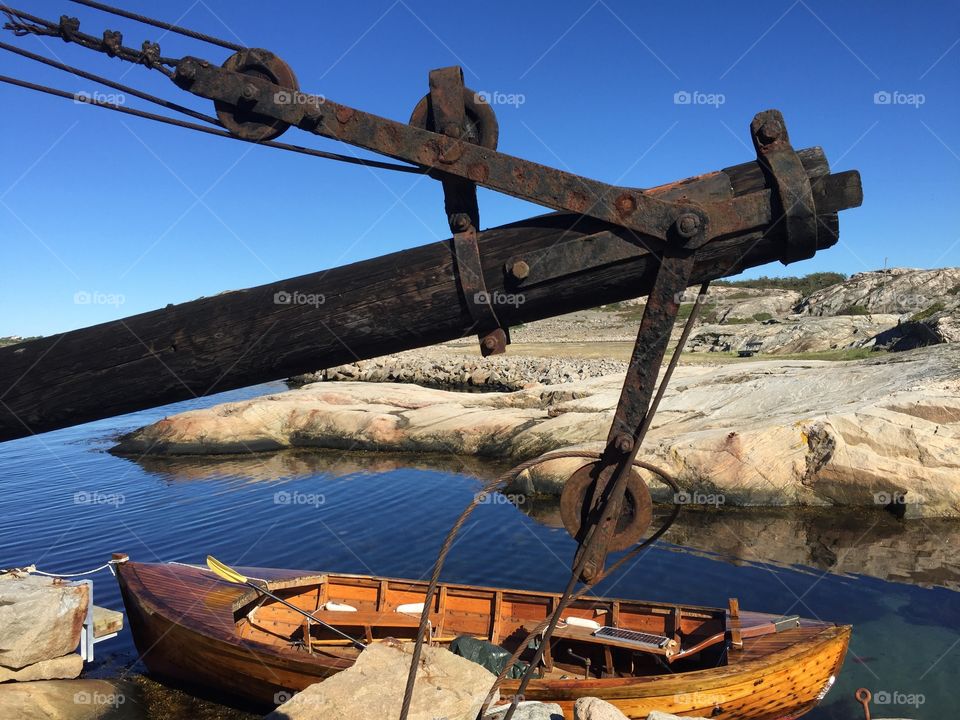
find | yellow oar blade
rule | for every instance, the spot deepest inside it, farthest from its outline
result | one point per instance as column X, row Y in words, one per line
column 227, row 573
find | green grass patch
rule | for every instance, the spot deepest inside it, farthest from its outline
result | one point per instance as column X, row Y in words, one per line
column 928, row 312
column 853, row 310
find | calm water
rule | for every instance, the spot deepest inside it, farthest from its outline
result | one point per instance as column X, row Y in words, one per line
column 67, row 504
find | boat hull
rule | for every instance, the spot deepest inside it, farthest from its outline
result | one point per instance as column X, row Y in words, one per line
column 187, row 633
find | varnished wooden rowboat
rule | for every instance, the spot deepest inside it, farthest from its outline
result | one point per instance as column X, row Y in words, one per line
column 192, row 626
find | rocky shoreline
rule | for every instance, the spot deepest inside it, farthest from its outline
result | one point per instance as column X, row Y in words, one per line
column 883, row 431
column 454, row 368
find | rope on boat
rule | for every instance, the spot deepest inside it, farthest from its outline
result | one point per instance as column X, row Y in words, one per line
column 109, row 564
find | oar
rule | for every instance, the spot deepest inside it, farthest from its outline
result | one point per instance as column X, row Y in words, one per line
column 231, row 575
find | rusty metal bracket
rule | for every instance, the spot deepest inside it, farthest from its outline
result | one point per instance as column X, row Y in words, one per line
column 446, row 113
column 793, row 190
column 608, row 520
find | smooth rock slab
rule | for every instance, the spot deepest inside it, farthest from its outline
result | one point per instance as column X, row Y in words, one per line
column 67, row 667
column 64, row 700
column 875, row 433
column 448, row 687
column 39, row 619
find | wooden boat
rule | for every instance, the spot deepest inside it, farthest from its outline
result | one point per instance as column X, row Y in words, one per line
column 192, row 626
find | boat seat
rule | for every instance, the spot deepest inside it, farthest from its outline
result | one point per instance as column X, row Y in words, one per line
column 587, row 634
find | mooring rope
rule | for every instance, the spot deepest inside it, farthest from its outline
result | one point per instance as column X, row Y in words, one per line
column 109, row 564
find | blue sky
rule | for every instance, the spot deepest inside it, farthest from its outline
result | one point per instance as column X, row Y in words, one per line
column 140, row 215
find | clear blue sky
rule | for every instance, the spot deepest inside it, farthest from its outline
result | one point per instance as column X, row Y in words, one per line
column 95, row 202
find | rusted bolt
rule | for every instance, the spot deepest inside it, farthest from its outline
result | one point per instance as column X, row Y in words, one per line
column 490, row 343
column 770, row 131
column 344, row 114
column 624, row 443
column 688, row 224
column 249, row 91
column 460, row 222
column 626, row 204
column 519, row 270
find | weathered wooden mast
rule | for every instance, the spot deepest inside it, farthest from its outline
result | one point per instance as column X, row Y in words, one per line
column 404, row 300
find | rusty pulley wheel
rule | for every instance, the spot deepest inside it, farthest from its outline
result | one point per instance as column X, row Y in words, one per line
column 243, row 121
column 577, row 499
column 481, row 128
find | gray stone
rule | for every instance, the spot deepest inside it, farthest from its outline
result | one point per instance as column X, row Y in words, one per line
column 39, row 619
column 591, row 708
column 67, row 667
column 448, row 686
column 529, row 710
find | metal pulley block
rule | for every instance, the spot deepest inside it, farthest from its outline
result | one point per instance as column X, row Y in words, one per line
column 578, row 498
column 241, row 119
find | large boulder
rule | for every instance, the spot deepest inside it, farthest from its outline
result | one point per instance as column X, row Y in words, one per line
column 448, row 686
column 793, row 334
column 40, row 618
column 899, row 291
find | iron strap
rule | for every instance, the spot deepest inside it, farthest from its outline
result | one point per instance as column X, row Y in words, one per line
column 791, row 183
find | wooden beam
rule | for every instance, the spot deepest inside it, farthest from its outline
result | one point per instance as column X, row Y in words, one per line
column 396, row 302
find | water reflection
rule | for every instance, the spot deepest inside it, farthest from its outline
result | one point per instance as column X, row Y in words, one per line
column 839, row 541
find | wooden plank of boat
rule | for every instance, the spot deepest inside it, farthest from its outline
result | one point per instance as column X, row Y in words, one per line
column 193, row 627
